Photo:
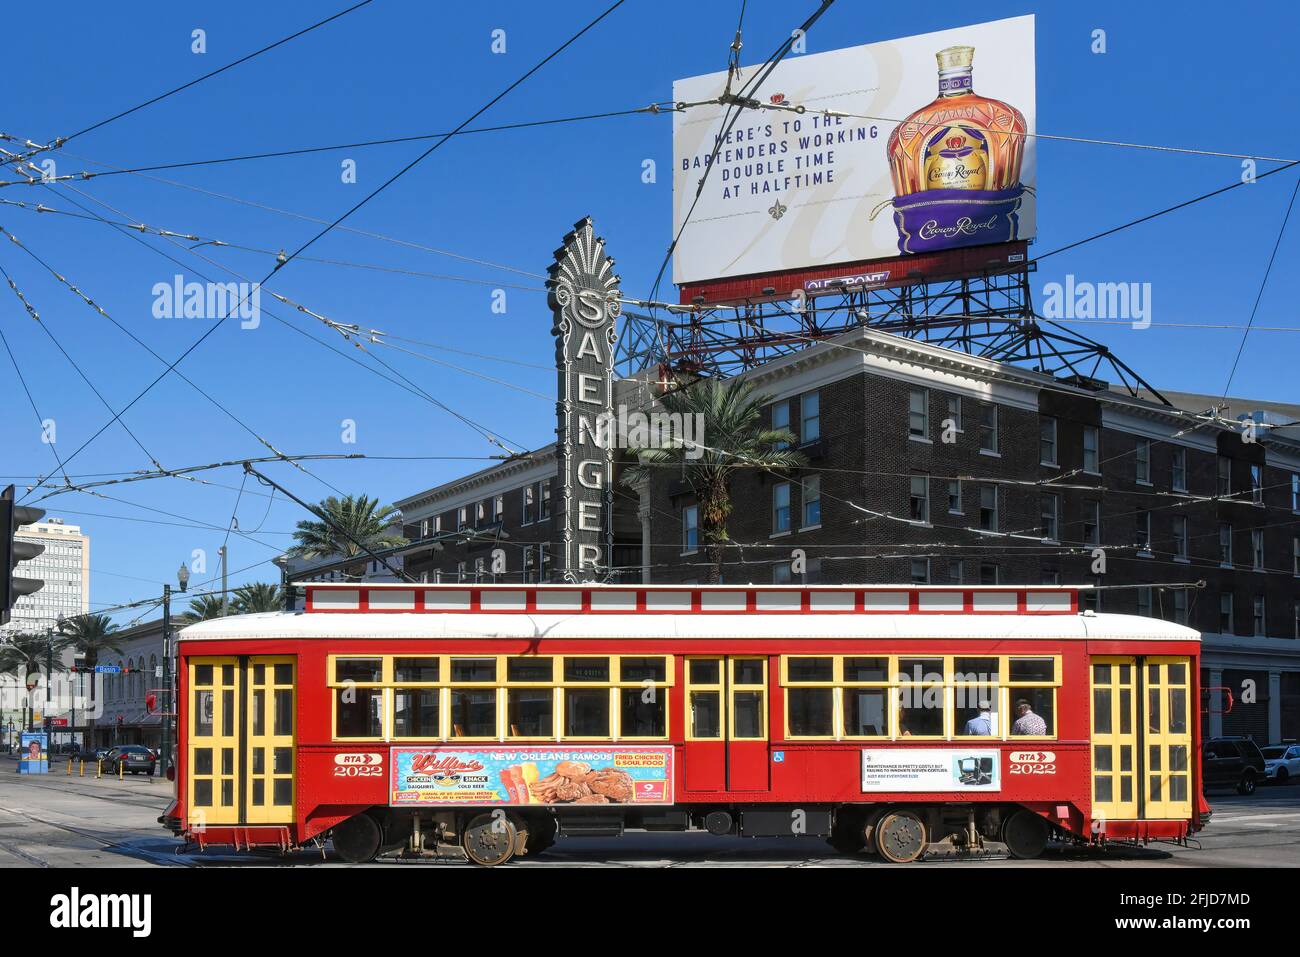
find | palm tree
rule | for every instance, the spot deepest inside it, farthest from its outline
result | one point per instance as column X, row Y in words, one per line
column 203, row 608
column 31, row 653
column 91, row 635
column 352, row 520
column 258, row 597
column 733, row 439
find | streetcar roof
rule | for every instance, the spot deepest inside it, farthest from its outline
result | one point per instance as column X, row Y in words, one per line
column 807, row 626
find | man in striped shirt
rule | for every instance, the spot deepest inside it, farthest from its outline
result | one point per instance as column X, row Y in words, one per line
column 1027, row 723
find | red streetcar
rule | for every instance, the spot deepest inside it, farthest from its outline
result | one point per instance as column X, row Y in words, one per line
column 903, row 720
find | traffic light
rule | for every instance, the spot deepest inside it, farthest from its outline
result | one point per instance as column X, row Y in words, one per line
column 13, row 516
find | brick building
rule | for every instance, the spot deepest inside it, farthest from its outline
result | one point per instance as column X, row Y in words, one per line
column 930, row 465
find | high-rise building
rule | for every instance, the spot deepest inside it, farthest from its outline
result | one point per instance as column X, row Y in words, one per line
column 64, row 567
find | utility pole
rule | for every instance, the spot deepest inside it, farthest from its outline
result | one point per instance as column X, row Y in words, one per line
column 169, row 707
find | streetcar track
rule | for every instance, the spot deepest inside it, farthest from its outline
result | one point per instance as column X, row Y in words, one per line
column 127, row 849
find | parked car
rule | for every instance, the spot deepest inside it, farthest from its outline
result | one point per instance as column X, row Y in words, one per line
column 1281, row 762
column 132, row 757
column 1232, row 762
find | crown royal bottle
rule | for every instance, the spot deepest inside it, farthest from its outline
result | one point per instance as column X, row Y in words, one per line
column 956, row 164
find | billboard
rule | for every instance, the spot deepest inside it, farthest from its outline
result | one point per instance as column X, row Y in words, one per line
column 935, row 155
column 532, row 775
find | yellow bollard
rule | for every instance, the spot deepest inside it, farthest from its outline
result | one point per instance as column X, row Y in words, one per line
column 120, row 766
column 69, row 765
column 99, row 768
column 82, row 772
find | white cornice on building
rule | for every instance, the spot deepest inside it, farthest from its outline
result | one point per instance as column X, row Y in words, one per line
column 486, row 483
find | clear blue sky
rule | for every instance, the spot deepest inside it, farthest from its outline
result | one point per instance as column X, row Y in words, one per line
column 1187, row 74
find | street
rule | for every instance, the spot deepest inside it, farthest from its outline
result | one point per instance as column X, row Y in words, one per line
column 62, row 821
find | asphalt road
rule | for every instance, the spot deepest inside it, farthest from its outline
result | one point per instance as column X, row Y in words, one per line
column 61, row 821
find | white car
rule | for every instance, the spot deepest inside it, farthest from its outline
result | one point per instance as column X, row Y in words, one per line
column 1281, row 762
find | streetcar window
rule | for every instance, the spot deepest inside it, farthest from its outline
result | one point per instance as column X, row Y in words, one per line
column 1042, row 706
column 643, row 712
column 747, row 671
column 530, row 670
column 810, row 712
column 704, row 671
column 416, row 669
column 586, row 713
column 415, row 713
column 975, row 711
column 706, row 714
column 359, row 670
column 203, row 674
column 474, row 669
column 1032, row 670
column 357, row 713
column 530, row 712
column 473, row 712
column 810, row 669
column 202, row 760
column 283, row 674
column 920, row 711
column 203, row 793
column 203, row 712
column 920, row 669
column 866, row 669
column 586, row 669
column 643, row 669
column 747, row 708
column 283, row 712
column 259, row 712
column 982, row 670
column 866, row 713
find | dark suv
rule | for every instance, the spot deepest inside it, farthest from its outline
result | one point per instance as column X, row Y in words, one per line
column 1232, row 762
column 132, row 757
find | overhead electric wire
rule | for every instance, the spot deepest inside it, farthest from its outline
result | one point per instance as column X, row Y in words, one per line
column 1263, row 284
column 32, row 401
column 392, row 179
column 59, row 141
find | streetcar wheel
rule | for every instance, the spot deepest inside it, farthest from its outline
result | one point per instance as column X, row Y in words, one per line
column 1247, row 785
column 900, row 837
column 541, row 834
column 357, row 839
column 1025, row 834
column 489, row 839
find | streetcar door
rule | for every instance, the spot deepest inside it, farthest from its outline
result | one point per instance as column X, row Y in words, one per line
column 1114, row 739
column 240, row 740
column 1168, row 777
column 726, row 724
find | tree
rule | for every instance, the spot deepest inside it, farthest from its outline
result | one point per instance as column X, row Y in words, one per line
column 28, row 654
column 258, row 597
column 90, row 635
column 352, row 519
column 732, row 439
column 202, row 608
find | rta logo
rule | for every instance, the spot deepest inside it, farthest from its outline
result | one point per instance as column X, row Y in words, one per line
column 1031, row 762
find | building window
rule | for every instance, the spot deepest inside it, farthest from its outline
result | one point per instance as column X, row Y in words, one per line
column 462, row 517
column 691, row 528
column 1143, row 524
column 1180, row 605
column 1142, row 461
column 812, row 501
column 1144, row 601
column 988, row 573
column 781, row 420
column 954, row 412
column 461, row 574
column 810, row 409
column 1225, row 475
column 1047, row 440
column 920, row 571
column 1257, row 549
column 956, row 571
column 530, row 505
column 1257, row 484
column 1090, row 448
column 989, row 428
column 481, row 513
column 1295, row 556
column 919, row 499
column 498, row 508
column 989, row 508
column 1051, row 576
column 1225, row 545
column 1180, row 537
column 1257, row 620
column 1180, row 470
column 480, row 569
column 1225, row 613
column 781, row 507
column 918, row 413
column 781, row 574
column 544, row 509
column 1295, row 492
column 1049, row 510
column 1092, row 523
column 954, row 496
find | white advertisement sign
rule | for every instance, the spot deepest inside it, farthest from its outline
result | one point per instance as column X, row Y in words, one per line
column 954, row 770
column 935, row 155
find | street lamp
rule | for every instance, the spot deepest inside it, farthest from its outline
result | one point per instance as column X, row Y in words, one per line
column 31, row 710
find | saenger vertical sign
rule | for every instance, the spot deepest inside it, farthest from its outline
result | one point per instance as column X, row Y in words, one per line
column 584, row 297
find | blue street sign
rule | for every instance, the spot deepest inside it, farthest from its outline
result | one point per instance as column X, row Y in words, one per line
column 107, row 669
